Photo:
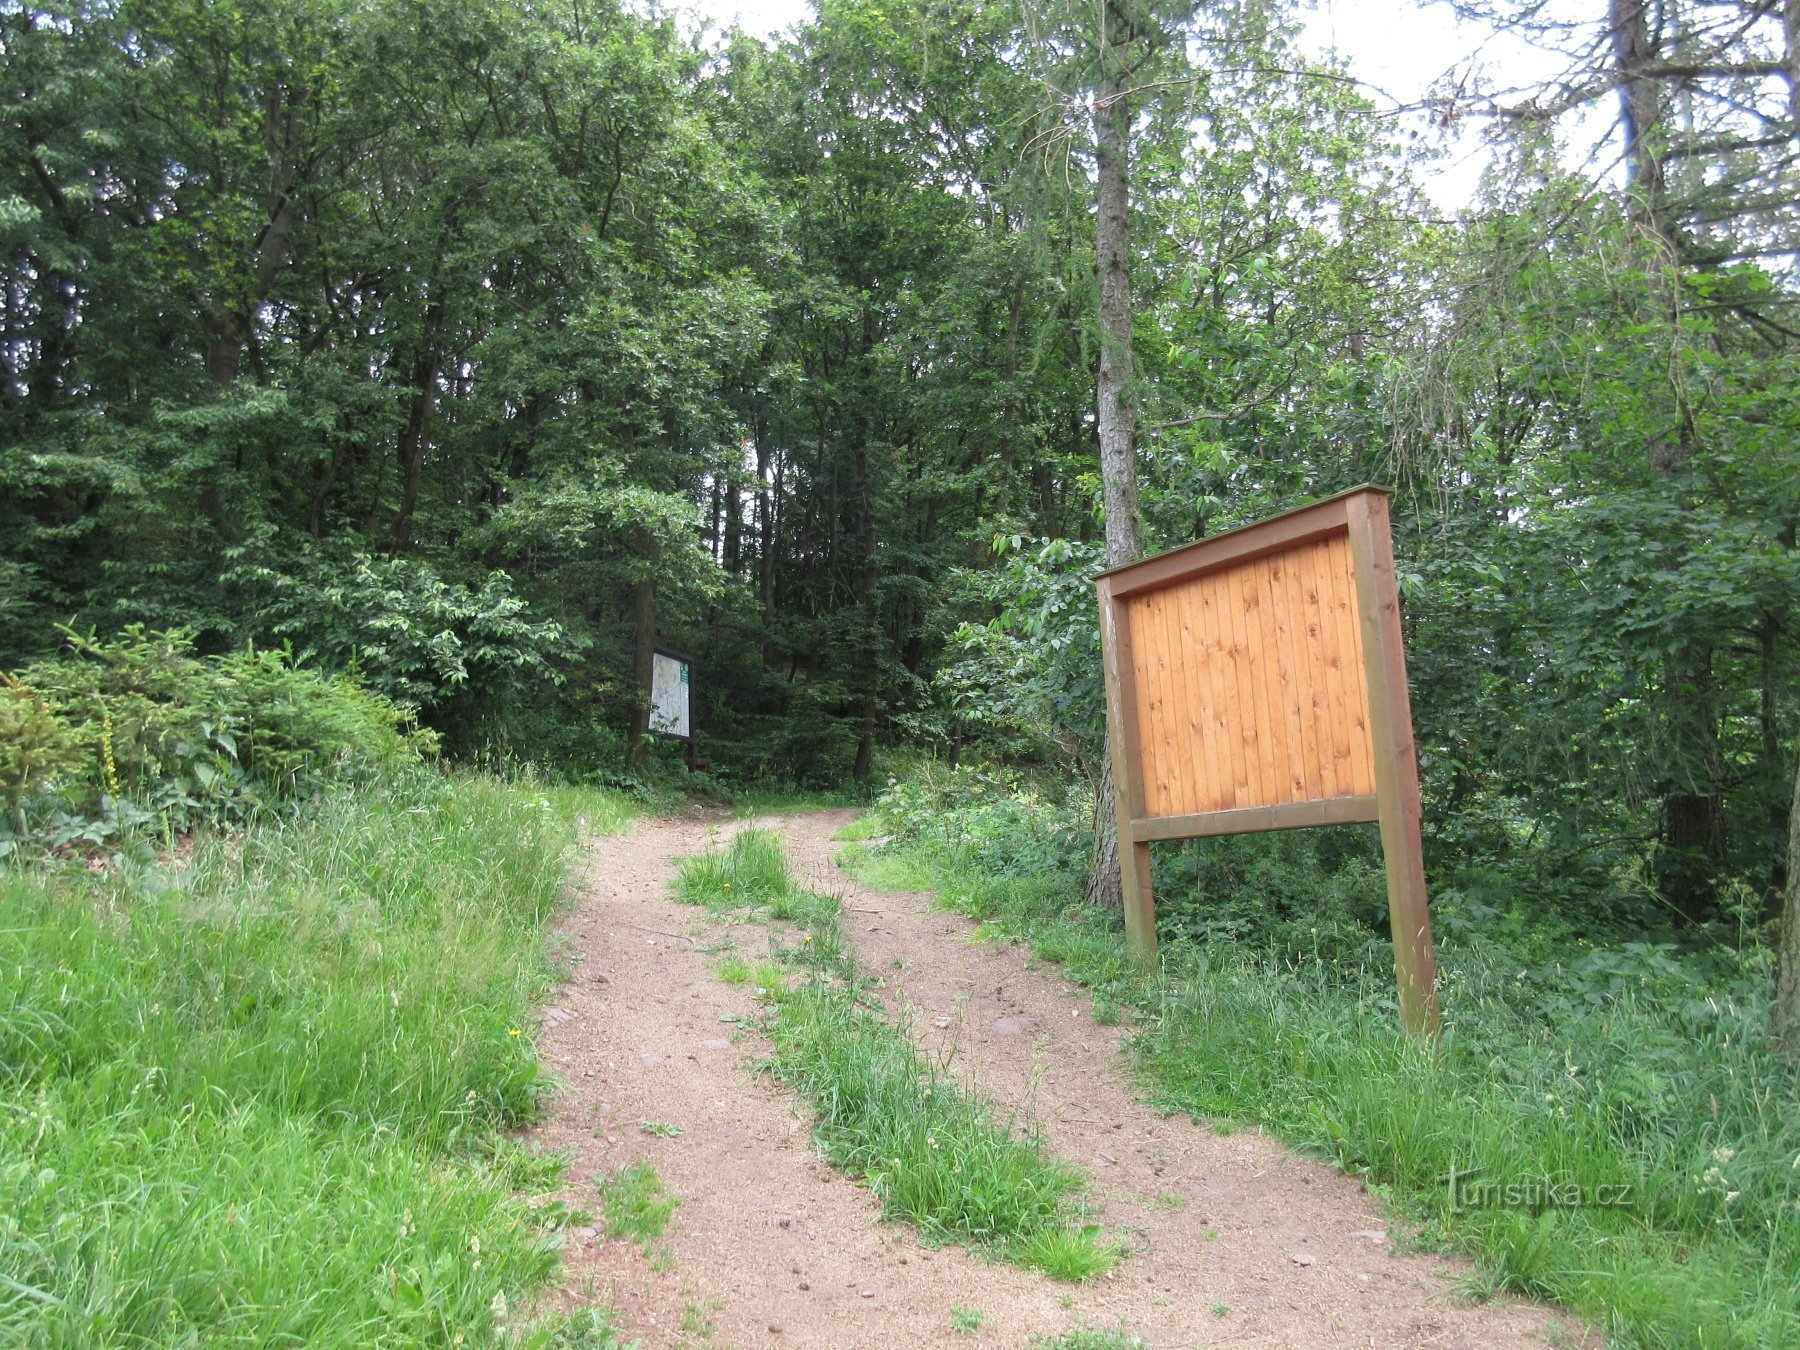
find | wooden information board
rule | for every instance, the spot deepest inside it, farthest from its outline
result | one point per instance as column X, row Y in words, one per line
column 1257, row 681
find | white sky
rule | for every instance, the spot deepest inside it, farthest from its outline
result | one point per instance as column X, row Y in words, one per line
column 1399, row 48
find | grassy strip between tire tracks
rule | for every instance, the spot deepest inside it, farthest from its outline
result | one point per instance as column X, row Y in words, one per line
column 257, row 1100
column 934, row 1153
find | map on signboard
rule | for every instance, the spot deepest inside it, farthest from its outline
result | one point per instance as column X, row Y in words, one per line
column 671, row 697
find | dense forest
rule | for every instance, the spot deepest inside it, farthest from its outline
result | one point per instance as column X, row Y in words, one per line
column 383, row 382
column 478, row 349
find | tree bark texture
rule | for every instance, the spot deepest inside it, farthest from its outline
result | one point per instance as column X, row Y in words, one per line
column 1640, row 107
column 1112, row 237
column 643, row 652
column 1117, row 427
column 1785, row 1015
column 228, row 321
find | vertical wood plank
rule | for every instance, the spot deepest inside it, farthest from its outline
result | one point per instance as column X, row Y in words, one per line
column 1284, row 744
column 1268, row 744
column 1219, row 791
column 1189, row 729
column 1356, row 695
column 1362, row 739
column 1150, row 666
column 1396, row 767
column 1340, row 676
column 1143, row 687
column 1250, row 786
column 1176, row 774
column 1231, row 748
column 1123, row 742
column 1314, row 603
column 1256, row 672
column 1300, row 661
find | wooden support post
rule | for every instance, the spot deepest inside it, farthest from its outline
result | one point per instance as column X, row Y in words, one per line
column 1128, row 777
column 1396, row 765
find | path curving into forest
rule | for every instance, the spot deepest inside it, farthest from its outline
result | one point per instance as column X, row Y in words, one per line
column 1233, row 1238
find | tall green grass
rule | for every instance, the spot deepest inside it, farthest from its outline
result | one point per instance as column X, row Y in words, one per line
column 750, row 870
column 250, row 1100
column 937, row 1155
column 1667, row 1215
column 1650, row 1141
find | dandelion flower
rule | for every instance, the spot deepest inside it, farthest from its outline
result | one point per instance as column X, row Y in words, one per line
column 515, row 1032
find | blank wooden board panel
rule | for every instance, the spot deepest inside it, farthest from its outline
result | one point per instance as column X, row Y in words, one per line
column 1257, row 681
column 1248, row 683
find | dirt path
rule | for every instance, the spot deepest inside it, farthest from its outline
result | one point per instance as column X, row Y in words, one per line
column 1233, row 1239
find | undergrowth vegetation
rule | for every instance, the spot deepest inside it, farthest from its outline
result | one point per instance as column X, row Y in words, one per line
column 1603, row 1125
column 935, row 1154
column 256, row 1098
column 135, row 734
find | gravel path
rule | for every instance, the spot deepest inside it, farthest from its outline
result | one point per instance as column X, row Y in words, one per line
column 1233, row 1238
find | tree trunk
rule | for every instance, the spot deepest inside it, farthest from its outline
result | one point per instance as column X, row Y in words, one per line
column 225, row 330
column 415, row 437
column 228, row 322
column 714, row 529
column 1641, row 110
column 1790, row 56
column 868, row 648
column 733, row 524
column 769, row 479
column 643, row 652
column 1770, row 767
column 1784, row 1018
column 1008, row 398
column 1105, row 884
column 1118, row 443
column 1693, row 850
column 1112, row 237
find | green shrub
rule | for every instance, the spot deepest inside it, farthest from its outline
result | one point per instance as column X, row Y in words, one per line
column 37, row 747
column 137, row 730
column 296, row 728
column 990, row 815
column 418, row 638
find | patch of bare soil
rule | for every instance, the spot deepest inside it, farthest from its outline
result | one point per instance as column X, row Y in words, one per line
column 1233, row 1239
